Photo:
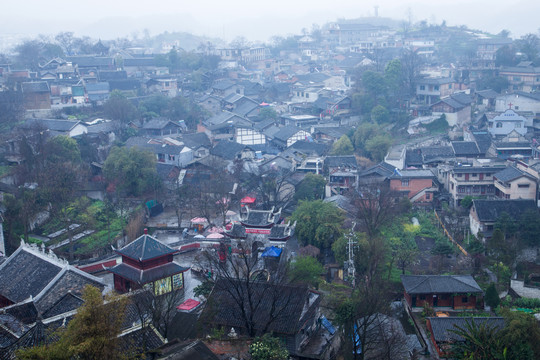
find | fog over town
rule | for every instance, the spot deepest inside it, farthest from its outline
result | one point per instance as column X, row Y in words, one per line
column 270, row 180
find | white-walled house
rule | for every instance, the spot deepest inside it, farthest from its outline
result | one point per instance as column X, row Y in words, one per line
column 503, row 124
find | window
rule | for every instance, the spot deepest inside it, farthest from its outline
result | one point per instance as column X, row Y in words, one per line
column 428, row 196
column 307, row 95
column 474, row 174
column 422, row 297
column 516, row 107
column 449, row 86
column 518, row 125
column 499, row 125
column 436, row 87
column 422, row 87
column 461, row 189
column 459, row 175
column 465, row 299
column 405, row 182
column 523, row 186
column 516, row 78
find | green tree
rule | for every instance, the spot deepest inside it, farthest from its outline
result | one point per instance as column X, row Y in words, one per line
column 529, row 228
column 529, row 45
column 268, row 348
column 306, row 270
column 521, row 335
column 466, row 202
column 481, row 341
column 492, row 296
column 378, row 146
column 91, row 334
column 363, row 133
column 132, row 171
column 63, row 149
column 311, row 188
column 11, row 108
column 118, row 107
column 506, row 56
column 268, row 113
column 374, row 84
column 343, row 146
column 318, row 223
column 380, row 115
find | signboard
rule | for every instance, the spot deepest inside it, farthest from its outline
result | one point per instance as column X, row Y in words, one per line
column 178, row 281
column 162, row 286
column 257, row 231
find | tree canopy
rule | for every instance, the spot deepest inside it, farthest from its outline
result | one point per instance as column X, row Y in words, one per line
column 131, row 170
column 91, row 334
column 311, row 188
column 343, row 146
column 318, row 223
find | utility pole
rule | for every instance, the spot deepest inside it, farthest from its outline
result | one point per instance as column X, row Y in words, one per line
column 351, row 271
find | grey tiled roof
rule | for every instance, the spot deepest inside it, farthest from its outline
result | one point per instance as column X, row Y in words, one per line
column 72, row 282
column 346, row 160
column 412, row 174
column 25, row 274
column 511, row 173
column 439, row 284
column 464, row 148
column 35, row 87
column 444, row 327
column 491, row 210
column 145, row 247
column 145, row 276
column 227, row 149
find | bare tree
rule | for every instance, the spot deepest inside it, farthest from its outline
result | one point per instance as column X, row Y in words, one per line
column 376, row 205
column 367, row 333
column 257, row 299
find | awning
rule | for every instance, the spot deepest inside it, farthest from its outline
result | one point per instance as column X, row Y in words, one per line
column 199, row 220
column 248, row 200
column 188, row 305
column 215, row 236
column 271, row 251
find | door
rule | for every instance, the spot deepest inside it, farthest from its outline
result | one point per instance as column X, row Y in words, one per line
column 481, row 176
column 466, row 176
column 414, row 301
column 435, row 300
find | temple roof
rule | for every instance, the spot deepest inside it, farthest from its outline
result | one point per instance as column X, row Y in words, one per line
column 144, row 248
column 145, row 276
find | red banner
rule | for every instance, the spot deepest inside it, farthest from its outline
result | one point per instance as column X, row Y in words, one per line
column 257, row 231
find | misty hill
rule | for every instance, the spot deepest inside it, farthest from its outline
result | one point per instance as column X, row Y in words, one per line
column 372, row 20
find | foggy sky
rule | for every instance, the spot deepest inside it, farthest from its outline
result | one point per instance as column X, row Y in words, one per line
column 256, row 20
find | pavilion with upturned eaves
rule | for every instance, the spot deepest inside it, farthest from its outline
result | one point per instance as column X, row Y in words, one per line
column 147, row 262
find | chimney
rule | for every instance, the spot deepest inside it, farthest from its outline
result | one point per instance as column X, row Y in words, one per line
column 145, row 231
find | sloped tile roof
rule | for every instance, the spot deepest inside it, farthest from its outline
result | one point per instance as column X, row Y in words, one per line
column 444, row 327
column 491, row 210
column 439, row 284
column 145, row 276
column 24, row 274
column 511, row 173
column 145, row 247
column 463, row 148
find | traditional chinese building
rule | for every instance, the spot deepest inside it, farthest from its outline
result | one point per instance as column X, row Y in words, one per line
column 260, row 221
column 147, row 262
column 456, row 291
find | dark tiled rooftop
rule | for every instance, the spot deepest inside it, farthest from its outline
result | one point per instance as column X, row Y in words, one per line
column 25, row 274
column 439, row 284
column 144, row 248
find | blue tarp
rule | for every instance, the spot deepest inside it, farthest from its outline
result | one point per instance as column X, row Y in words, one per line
column 328, row 325
column 271, row 251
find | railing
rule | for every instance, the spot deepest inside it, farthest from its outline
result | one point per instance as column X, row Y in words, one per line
column 450, row 236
